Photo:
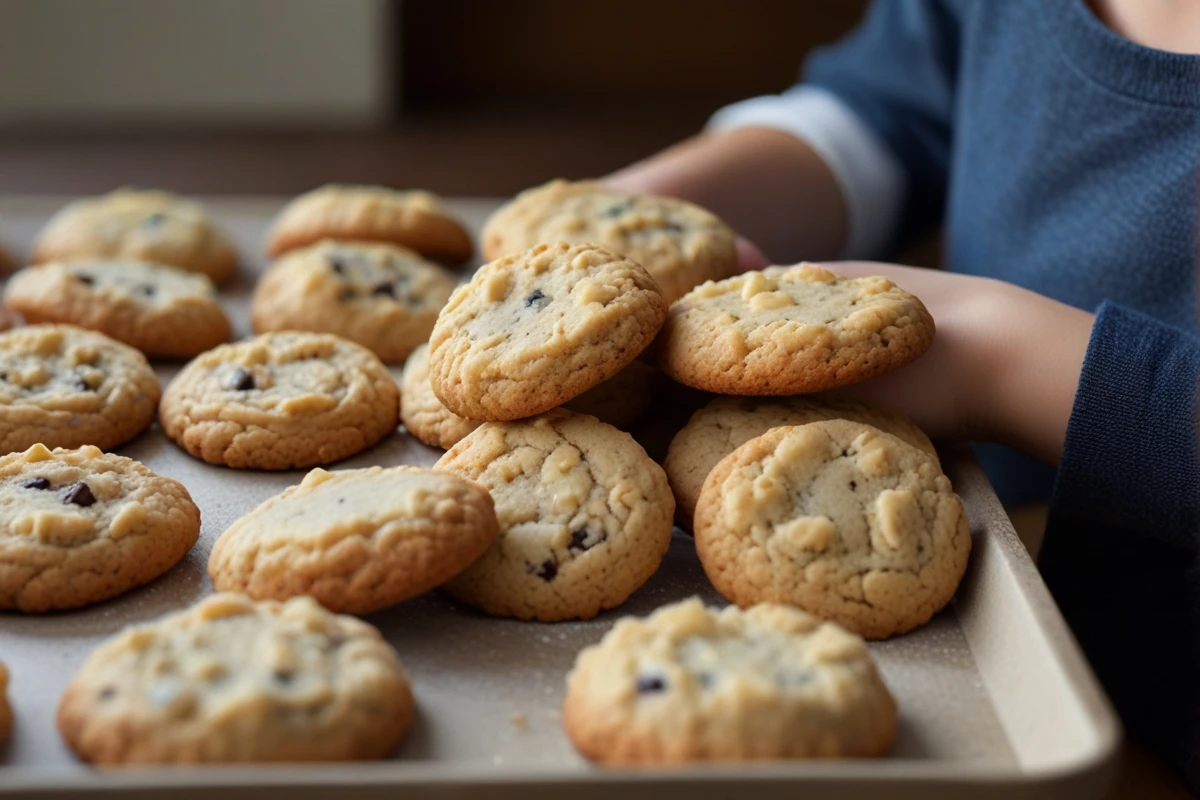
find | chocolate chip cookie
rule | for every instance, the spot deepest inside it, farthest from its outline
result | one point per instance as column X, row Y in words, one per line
column 66, row 387
column 139, row 225
column 681, row 245
column 727, row 423
column 838, row 518
column 81, row 526
column 231, row 680
column 537, row 329
column 163, row 311
column 791, row 330
column 6, row 714
column 690, row 683
column 382, row 296
column 281, row 401
column 416, row 220
column 585, row 516
column 356, row 540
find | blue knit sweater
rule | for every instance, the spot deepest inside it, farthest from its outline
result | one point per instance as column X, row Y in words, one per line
column 1063, row 158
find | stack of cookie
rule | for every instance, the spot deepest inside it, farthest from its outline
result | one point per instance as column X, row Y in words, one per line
column 363, row 263
column 137, row 266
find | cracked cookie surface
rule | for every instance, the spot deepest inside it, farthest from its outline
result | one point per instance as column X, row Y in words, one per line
column 539, row 328
column 585, row 516
column 727, row 423
column 680, row 244
column 232, row 680
column 162, row 311
column 416, row 220
column 690, row 683
column 139, row 225
column 356, row 540
column 838, row 518
column 382, row 296
column 620, row 401
column 64, row 386
column 281, row 401
column 791, row 330
column 82, row 526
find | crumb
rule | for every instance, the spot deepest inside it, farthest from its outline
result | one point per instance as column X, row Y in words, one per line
column 519, row 721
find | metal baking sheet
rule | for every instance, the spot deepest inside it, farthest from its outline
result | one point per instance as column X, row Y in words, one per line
column 995, row 698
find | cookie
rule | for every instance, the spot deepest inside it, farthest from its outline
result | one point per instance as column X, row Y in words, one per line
column 619, row 401
column 791, row 330
column 416, row 220
column 7, row 262
column 281, row 401
column 681, row 245
column 585, row 517
column 163, row 311
column 382, row 296
column 838, row 518
column 727, row 423
column 67, row 387
column 690, row 683
column 6, row 714
column 138, row 225
column 81, row 526
column 232, row 680
column 357, row 540
column 539, row 328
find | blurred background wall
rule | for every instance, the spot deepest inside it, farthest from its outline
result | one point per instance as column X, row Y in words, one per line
column 481, row 97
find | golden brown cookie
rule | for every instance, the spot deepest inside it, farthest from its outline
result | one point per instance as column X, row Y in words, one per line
column 620, row 401
column 231, row 680
column 680, row 244
column 356, row 540
column 81, row 526
column 585, row 516
column 63, row 386
column 727, row 423
column 382, row 296
column 163, row 311
column 537, row 329
column 838, row 518
column 791, row 330
column 416, row 220
column 690, row 683
column 138, row 225
column 281, row 401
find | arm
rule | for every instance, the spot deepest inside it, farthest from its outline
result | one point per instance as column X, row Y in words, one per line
column 854, row 161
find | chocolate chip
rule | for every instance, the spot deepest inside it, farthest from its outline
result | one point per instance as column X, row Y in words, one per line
column 79, row 495
column 673, row 227
column 384, row 288
column 283, row 676
column 36, row 483
column 535, row 298
column 547, row 570
column 650, row 684
column 347, row 294
column 846, row 452
column 240, row 380
column 85, row 279
column 108, row 693
column 154, row 220
column 146, row 289
column 337, row 264
column 3, row 376
column 81, row 384
column 579, row 540
column 853, row 485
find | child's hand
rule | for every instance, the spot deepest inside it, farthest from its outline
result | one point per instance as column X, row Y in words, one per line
column 1003, row 366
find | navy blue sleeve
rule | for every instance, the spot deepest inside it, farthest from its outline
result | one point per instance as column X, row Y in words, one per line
column 1131, row 456
column 898, row 72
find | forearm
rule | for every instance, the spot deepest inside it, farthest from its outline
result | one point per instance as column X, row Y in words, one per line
column 770, row 186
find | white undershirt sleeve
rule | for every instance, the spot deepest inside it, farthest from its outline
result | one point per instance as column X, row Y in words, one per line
column 870, row 176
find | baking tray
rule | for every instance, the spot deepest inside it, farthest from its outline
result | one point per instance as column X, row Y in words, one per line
column 995, row 697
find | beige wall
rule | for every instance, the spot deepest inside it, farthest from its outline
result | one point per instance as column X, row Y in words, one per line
column 223, row 62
